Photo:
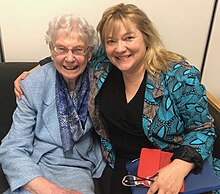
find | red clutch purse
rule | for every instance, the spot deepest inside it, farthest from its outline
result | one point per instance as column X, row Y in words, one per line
column 151, row 161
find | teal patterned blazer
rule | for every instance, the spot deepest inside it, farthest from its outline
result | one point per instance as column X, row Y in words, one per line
column 175, row 111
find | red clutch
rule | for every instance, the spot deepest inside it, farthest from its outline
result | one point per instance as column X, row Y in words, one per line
column 151, row 161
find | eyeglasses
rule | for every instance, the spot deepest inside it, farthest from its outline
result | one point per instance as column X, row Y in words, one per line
column 59, row 50
column 136, row 181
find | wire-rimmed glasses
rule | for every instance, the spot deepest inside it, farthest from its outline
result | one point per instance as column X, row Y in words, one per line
column 136, row 181
column 61, row 50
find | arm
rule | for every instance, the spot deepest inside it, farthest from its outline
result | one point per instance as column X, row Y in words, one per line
column 191, row 105
column 41, row 185
column 198, row 136
column 17, row 147
column 199, row 131
column 18, row 151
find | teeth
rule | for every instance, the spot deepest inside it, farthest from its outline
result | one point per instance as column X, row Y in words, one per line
column 70, row 68
column 123, row 57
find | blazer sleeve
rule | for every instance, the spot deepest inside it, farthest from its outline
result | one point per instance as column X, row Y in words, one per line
column 192, row 105
column 18, row 145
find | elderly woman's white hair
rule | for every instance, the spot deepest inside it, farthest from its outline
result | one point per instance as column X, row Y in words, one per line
column 67, row 23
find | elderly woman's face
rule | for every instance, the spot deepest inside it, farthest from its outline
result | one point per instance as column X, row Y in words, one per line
column 70, row 55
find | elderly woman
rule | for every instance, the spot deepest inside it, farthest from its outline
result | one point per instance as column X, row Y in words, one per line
column 51, row 147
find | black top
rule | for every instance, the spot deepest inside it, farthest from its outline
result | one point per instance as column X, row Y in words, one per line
column 124, row 121
column 45, row 61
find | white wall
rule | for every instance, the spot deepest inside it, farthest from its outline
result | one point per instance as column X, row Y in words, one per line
column 211, row 75
column 183, row 24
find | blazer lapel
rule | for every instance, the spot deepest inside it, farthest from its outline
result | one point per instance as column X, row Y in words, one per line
column 154, row 90
column 50, row 118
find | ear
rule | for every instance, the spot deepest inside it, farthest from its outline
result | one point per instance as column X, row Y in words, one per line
column 51, row 51
column 89, row 54
column 51, row 48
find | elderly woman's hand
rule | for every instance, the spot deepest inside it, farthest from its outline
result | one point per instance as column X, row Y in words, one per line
column 41, row 185
column 171, row 177
column 17, row 89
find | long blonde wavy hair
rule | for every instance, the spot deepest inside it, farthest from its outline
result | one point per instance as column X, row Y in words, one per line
column 157, row 57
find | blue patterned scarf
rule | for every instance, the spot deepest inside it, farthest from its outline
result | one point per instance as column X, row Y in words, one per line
column 72, row 112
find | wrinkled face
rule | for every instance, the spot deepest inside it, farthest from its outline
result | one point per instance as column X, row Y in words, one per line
column 125, row 48
column 68, row 57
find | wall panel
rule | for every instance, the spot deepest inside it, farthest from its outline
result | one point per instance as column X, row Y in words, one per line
column 183, row 24
column 211, row 74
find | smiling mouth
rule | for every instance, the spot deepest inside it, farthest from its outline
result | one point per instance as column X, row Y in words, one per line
column 123, row 58
column 71, row 67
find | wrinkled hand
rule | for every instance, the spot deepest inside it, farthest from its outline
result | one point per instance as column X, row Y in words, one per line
column 17, row 89
column 171, row 177
column 41, row 185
